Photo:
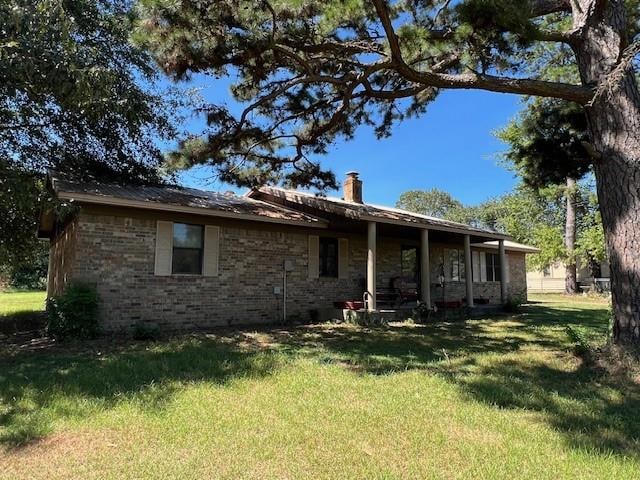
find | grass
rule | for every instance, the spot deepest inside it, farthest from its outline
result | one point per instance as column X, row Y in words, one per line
column 13, row 302
column 21, row 310
column 492, row 398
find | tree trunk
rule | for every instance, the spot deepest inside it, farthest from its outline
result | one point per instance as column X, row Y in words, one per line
column 571, row 277
column 614, row 122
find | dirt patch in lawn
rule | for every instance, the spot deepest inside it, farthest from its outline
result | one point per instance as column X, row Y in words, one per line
column 60, row 452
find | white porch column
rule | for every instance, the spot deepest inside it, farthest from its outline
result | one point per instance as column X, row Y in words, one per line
column 468, row 277
column 425, row 272
column 371, row 265
column 503, row 272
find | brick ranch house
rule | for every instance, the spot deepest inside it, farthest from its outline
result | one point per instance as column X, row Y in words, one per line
column 185, row 258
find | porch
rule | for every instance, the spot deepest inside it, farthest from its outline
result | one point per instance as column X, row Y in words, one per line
column 444, row 269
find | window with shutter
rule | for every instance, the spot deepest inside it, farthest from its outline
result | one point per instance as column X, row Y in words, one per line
column 328, row 257
column 454, row 265
column 493, row 267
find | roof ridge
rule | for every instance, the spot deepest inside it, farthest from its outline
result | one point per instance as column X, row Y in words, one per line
column 382, row 207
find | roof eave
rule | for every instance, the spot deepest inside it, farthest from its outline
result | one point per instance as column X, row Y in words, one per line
column 442, row 228
column 339, row 209
column 523, row 249
column 167, row 207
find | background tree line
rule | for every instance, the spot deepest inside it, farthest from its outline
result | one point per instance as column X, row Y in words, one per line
column 533, row 217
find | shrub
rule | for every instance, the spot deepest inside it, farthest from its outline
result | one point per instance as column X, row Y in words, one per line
column 513, row 304
column 581, row 345
column 422, row 312
column 146, row 331
column 74, row 313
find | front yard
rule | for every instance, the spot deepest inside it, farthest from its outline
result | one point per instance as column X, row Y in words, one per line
column 494, row 398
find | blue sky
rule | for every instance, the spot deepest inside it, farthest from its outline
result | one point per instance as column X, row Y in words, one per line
column 451, row 147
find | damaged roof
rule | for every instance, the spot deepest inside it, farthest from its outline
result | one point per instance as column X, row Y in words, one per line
column 366, row 211
column 180, row 199
column 267, row 204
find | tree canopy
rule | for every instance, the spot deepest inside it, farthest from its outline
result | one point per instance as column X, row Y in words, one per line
column 309, row 71
column 75, row 96
column 436, row 203
column 548, row 142
column 530, row 215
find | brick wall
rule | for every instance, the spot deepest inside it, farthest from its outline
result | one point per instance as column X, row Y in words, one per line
column 516, row 287
column 116, row 253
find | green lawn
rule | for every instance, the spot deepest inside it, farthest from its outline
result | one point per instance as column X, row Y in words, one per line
column 20, row 311
column 496, row 398
column 15, row 302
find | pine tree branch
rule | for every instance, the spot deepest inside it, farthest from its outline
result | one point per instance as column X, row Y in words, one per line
column 575, row 93
column 540, row 8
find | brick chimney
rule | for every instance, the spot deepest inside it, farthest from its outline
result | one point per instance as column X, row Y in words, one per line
column 352, row 188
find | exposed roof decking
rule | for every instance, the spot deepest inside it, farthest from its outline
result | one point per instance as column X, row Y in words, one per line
column 267, row 204
column 180, row 199
column 368, row 212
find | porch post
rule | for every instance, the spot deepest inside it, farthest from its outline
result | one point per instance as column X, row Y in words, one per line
column 371, row 265
column 503, row 272
column 425, row 272
column 468, row 276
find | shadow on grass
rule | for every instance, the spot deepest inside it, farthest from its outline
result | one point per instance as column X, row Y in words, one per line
column 592, row 411
column 524, row 362
column 76, row 384
column 22, row 322
column 507, row 363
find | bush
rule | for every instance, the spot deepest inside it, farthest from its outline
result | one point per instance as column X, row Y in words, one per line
column 513, row 304
column 146, row 331
column 422, row 312
column 581, row 345
column 74, row 313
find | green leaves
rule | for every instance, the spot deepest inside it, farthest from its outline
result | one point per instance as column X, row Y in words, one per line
column 75, row 96
column 493, row 30
column 436, row 203
column 73, row 89
column 531, row 216
column 548, row 142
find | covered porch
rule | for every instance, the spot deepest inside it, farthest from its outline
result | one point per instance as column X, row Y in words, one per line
column 442, row 268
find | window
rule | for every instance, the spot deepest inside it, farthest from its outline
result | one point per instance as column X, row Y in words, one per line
column 187, row 248
column 493, row 267
column 454, row 265
column 328, row 257
column 409, row 263
column 546, row 272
